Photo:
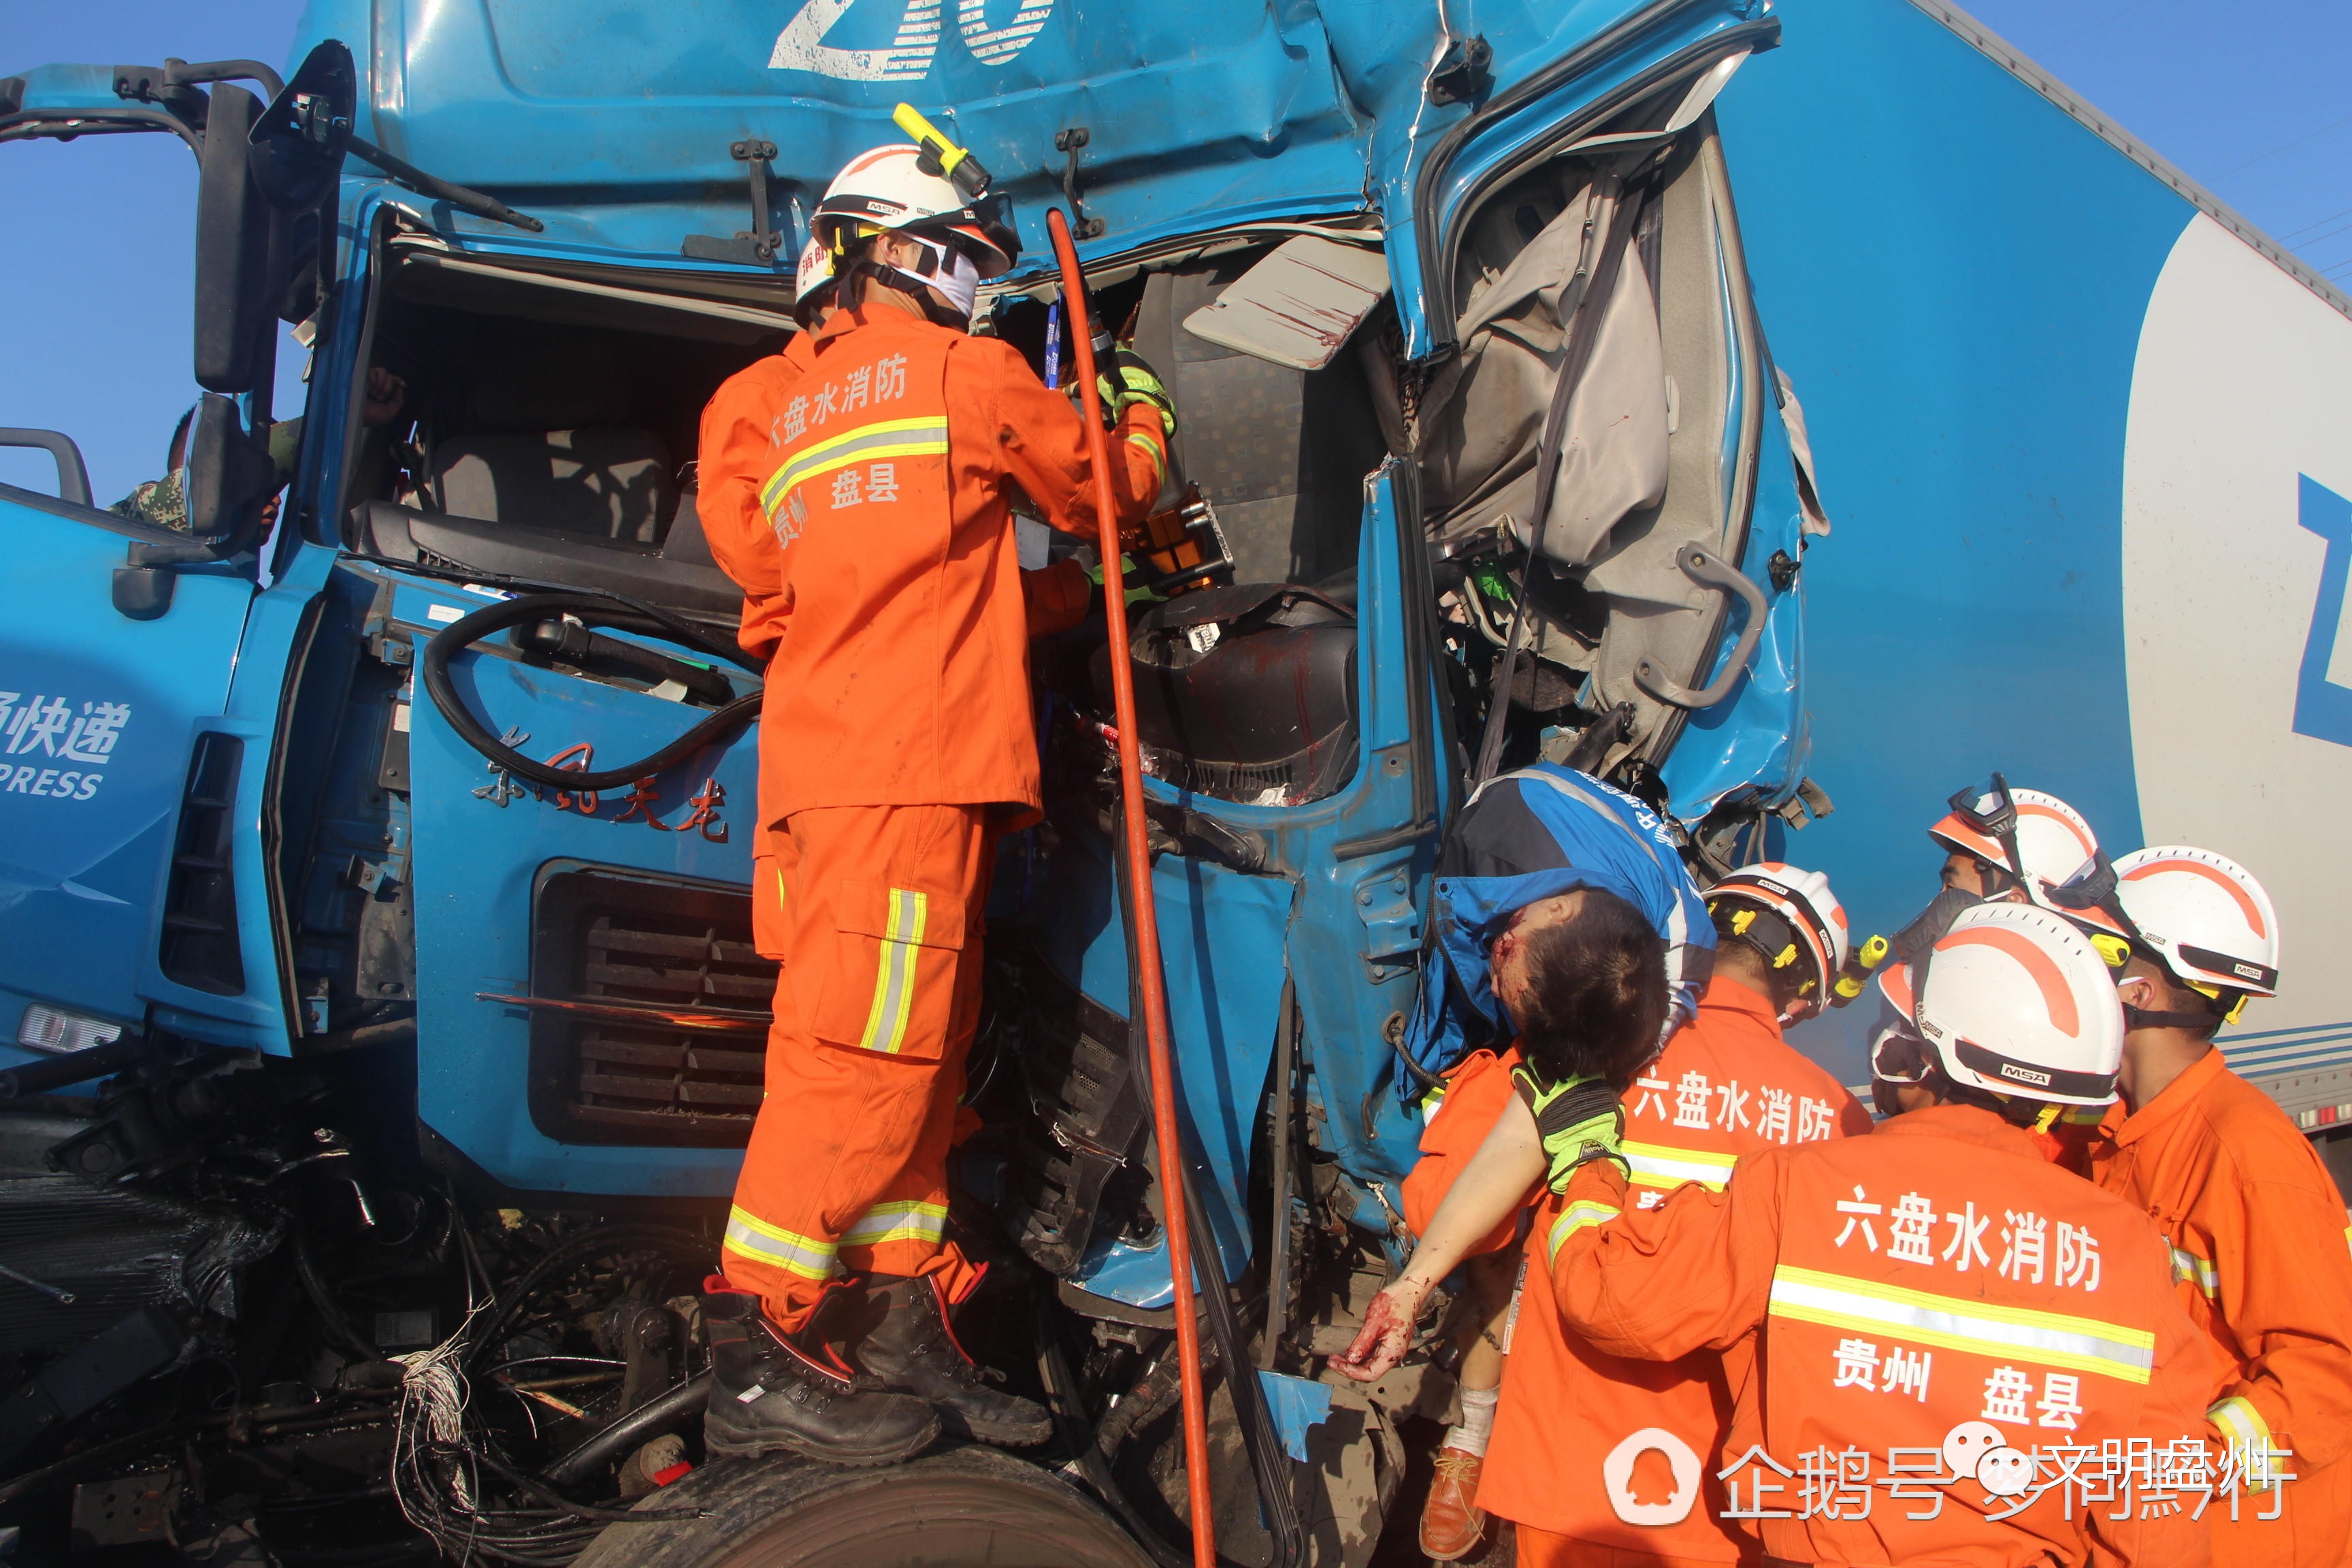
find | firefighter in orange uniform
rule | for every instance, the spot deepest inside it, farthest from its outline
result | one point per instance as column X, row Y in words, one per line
column 859, row 488
column 1726, row 1087
column 2254, row 1225
column 1946, row 1328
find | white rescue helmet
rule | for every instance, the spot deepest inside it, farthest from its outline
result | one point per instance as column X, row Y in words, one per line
column 2017, row 1001
column 1790, row 917
column 2204, row 915
column 813, row 283
column 2040, row 840
column 886, row 190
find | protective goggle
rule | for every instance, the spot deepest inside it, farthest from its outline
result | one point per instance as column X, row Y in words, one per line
column 1998, row 824
column 1898, row 1057
column 2092, row 890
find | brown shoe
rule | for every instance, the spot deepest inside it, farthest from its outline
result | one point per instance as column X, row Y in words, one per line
column 1451, row 1524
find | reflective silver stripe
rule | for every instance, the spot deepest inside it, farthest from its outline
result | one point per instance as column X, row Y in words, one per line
column 2189, row 1268
column 755, row 1239
column 915, row 1221
column 1658, row 1165
column 1578, row 1216
column 893, row 978
column 2051, row 1339
column 2237, row 1420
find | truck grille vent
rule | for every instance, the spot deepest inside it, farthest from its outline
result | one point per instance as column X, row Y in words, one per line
column 199, row 947
column 603, row 939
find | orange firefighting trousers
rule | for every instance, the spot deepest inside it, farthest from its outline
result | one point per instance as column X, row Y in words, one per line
column 1542, row 1549
column 876, row 912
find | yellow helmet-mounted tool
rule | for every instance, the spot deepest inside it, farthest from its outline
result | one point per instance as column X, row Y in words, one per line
column 942, row 156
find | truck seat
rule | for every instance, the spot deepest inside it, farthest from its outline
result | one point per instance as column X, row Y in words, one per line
column 1282, row 453
column 600, row 481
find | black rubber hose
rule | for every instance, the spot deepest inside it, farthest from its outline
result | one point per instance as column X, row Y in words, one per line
column 567, row 641
column 1277, row 1271
column 591, row 609
column 640, row 1426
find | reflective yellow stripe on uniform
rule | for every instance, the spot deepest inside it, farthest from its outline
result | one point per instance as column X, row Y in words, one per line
column 912, row 1221
column 894, row 974
column 1659, row 1165
column 919, row 437
column 2243, row 1427
column 1158, row 455
column 1575, row 1216
column 2189, row 1268
column 2051, row 1339
column 756, row 1239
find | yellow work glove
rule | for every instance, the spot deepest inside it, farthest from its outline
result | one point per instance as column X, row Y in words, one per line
column 1579, row 1120
column 1142, row 384
column 1137, row 593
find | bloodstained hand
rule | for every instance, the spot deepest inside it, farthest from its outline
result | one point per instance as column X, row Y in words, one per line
column 1386, row 1335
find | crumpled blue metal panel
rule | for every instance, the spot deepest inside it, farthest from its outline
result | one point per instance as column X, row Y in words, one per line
column 612, row 120
column 1430, row 161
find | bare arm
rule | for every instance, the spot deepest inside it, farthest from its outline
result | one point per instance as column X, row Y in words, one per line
column 1497, row 1182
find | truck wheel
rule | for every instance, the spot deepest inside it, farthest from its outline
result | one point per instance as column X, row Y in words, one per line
column 968, row 1508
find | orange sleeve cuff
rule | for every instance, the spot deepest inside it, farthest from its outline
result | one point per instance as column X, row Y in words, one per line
column 1054, row 598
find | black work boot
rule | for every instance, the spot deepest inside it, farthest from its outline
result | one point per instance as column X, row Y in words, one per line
column 911, row 1347
column 767, row 1393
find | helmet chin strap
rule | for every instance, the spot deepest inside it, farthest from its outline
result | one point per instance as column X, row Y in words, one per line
column 2139, row 1018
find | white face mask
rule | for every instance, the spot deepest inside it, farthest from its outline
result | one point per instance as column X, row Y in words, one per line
column 953, row 274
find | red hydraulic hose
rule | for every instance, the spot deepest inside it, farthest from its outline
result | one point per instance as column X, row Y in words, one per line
column 1150, row 984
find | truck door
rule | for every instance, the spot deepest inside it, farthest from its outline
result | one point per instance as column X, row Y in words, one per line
column 103, row 733
column 1584, row 306
column 127, row 794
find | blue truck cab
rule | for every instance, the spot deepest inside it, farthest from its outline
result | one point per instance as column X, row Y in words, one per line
column 1485, row 334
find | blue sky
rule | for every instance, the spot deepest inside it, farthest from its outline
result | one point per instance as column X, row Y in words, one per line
column 94, row 253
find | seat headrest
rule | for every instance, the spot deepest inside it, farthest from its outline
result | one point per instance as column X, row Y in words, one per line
column 565, row 383
column 611, row 481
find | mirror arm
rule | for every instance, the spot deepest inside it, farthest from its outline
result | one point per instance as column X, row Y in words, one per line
column 189, row 73
column 459, row 196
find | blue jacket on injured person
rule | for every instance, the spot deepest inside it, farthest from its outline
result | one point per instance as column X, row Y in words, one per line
column 1532, row 835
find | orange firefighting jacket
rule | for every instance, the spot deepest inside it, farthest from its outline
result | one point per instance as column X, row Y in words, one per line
column 858, row 487
column 1930, row 1306
column 1726, row 1088
column 2260, row 1257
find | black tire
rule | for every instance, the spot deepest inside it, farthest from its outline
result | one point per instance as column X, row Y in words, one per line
column 966, row 1508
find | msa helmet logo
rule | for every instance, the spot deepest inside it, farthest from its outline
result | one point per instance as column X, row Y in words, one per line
column 2024, row 1075
column 2250, row 970
column 909, row 54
